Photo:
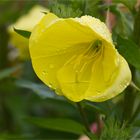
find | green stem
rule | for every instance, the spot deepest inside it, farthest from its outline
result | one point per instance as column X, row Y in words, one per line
column 3, row 47
column 130, row 97
column 83, row 116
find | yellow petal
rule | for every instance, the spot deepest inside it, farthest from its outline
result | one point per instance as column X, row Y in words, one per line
column 89, row 73
column 118, row 84
column 29, row 20
column 74, row 77
column 65, row 57
column 52, row 43
column 26, row 22
column 96, row 25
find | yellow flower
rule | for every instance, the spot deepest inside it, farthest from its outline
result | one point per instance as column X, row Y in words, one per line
column 26, row 22
column 76, row 57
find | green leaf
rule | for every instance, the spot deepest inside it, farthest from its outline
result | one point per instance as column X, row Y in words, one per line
column 62, row 10
column 95, row 107
column 7, row 72
column 7, row 136
column 91, row 136
column 103, row 107
column 91, row 7
column 65, row 125
column 136, row 135
column 130, row 51
column 23, row 33
column 113, row 130
column 128, row 3
column 41, row 89
column 137, row 78
column 136, row 123
column 137, row 28
column 124, row 24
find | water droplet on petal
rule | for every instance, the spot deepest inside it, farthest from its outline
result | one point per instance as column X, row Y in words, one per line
column 44, row 72
column 50, row 85
column 123, row 85
column 51, row 66
column 98, row 92
column 103, row 97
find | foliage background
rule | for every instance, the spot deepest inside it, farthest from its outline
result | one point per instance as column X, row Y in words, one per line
column 30, row 110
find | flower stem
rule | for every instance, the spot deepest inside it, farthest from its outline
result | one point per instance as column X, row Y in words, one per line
column 83, row 116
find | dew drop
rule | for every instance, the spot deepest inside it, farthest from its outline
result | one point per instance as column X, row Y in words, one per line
column 103, row 97
column 98, row 92
column 35, row 40
column 123, row 85
column 44, row 72
column 50, row 85
column 51, row 66
column 43, row 30
column 57, row 51
column 64, row 51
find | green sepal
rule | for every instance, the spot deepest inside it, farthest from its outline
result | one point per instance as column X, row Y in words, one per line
column 23, row 33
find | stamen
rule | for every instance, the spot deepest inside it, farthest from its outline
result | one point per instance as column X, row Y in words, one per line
column 97, row 43
column 76, row 76
column 80, row 61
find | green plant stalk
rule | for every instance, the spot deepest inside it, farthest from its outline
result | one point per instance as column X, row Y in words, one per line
column 4, row 37
column 135, row 114
column 127, row 109
column 83, row 116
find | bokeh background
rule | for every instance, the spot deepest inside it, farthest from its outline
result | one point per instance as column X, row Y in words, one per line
column 26, row 104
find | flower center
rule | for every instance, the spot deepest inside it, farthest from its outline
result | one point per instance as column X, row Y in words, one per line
column 94, row 49
column 97, row 45
column 91, row 53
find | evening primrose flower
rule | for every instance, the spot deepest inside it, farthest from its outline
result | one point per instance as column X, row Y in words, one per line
column 26, row 22
column 76, row 57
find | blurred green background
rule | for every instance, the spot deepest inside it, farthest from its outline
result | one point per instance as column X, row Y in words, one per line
column 28, row 108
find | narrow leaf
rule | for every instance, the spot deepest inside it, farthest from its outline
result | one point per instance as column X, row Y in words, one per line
column 95, row 107
column 7, row 72
column 128, row 3
column 65, row 125
column 42, row 90
column 23, row 33
column 91, row 136
column 135, row 86
column 103, row 108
